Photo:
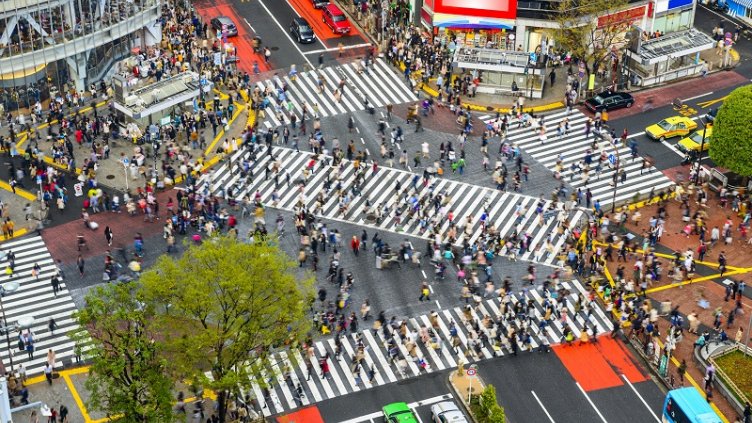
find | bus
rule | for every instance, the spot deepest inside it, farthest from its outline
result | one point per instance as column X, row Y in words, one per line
column 687, row 405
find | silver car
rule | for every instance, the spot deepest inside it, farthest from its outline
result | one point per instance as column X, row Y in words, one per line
column 223, row 23
column 447, row 412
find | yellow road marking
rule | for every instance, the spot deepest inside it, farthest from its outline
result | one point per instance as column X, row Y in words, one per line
column 705, row 104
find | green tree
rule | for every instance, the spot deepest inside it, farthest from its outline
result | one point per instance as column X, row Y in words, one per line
column 227, row 305
column 578, row 30
column 491, row 411
column 128, row 376
column 732, row 134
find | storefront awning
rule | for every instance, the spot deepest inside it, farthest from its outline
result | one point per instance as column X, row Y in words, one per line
column 672, row 45
column 443, row 20
column 744, row 3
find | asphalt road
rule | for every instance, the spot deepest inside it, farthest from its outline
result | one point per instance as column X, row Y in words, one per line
column 666, row 155
column 270, row 20
column 532, row 387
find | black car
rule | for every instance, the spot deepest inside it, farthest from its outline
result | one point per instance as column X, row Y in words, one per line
column 710, row 116
column 318, row 4
column 302, row 31
column 609, row 101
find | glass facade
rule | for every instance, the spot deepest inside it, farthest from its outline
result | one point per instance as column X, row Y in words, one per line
column 59, row 45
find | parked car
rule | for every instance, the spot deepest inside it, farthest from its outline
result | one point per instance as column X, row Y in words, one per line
column 318, row 4
column 447, row 412
column 609, row 101
column 302, row 31
column 221, row 23
column 675, row 126
column 398, row 412
column 694, row 141
column 335, row 19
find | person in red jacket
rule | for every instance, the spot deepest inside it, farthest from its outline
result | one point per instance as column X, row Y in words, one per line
column 355, row 244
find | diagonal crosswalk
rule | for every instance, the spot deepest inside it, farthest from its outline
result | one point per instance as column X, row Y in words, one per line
column 507, row 211
column 427, row 343
column 572, row 147
column 380, row 85
column 35, row 298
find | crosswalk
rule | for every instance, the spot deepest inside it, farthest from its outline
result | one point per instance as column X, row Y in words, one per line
column 35, row 298
column 278, row 390
column 507, row 211
column 571, row 148
column 380, row 86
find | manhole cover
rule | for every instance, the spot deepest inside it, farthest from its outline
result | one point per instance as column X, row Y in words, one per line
column 110, row 177
column 489, row 108
column 274, row 48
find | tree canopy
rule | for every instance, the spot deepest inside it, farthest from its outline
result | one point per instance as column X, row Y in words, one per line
column 129, row 376
column 578, row 29
column 731, row 145
column 225, row 306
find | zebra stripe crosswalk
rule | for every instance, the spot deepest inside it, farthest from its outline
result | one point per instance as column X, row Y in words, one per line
column 287, row 383
column 35, row 298
column 380, row 85
column 572, row 147
column 507, row 211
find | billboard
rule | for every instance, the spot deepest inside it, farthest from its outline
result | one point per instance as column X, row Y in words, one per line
column 499, row 9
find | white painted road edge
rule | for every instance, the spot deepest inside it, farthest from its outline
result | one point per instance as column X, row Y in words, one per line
column 641, row 398
column 698, row 96
column 249, row 25
column 412, row 405
column 324, row 50
column 294, row 44
column 591, row 403
column 542, row 406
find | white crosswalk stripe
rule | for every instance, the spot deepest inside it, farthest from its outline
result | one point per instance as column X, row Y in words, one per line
column 572, row 147
column 466, row 200
column 437, row 354
column 35, row 298
column 380, row 85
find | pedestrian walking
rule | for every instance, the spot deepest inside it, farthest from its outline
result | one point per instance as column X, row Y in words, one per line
column 425, row 292
column 81, row 264
column 108, row 235
column 52, row 325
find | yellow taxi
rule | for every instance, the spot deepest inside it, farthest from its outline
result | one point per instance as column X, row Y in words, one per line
column 694, row 141
column 674, row 126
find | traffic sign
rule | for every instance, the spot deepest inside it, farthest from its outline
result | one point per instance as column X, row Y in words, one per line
column 612, row 159
column 471, row 372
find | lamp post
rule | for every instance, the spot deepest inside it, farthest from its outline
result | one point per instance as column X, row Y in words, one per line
column 616, row 173
column 7, row 288
column 699, row 154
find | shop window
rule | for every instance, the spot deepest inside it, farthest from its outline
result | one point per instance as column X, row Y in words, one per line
column 492, row 78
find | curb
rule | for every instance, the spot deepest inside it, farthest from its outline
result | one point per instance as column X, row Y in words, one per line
column 459, row 396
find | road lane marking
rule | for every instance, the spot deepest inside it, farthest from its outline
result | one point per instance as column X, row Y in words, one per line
column 591, row 403
column 375, row 415
column 294, row 44
column 324, row 50
column 641, row 398
column 698, row 96
column 542, row 406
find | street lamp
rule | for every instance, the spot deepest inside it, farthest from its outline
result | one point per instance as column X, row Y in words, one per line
column 7, row 288
column 699, row 154
column 616, row 172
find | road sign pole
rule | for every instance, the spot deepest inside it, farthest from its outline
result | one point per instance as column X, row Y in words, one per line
column 470, row 391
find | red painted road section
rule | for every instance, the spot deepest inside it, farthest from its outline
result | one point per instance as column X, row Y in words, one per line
column 305, row 415
column 314, row 17
column 243, row 41
column 599, row 366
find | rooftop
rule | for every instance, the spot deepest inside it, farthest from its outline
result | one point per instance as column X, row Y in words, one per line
column 149, row 99
column 674, row 44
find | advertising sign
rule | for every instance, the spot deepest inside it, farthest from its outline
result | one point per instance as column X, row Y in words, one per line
column 500, row 9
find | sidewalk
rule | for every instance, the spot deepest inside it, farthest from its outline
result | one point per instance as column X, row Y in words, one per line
column 553, row 95
column 702, row 295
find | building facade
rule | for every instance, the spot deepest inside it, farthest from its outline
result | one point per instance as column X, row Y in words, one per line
column 49, row 46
